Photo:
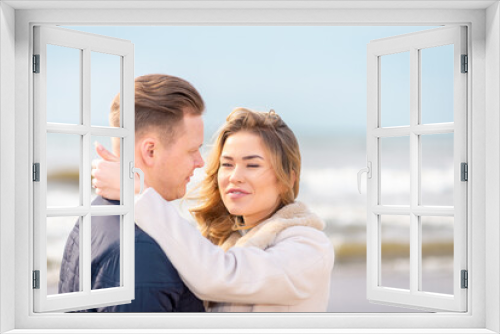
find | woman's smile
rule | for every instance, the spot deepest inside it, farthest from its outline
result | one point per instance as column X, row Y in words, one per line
column 236, row 193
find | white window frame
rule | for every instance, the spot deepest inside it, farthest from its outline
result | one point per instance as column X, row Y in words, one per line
column 413, row 44
column 483, row 20
column 86, row 44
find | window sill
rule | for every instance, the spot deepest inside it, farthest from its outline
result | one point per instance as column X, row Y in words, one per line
column 259, row 331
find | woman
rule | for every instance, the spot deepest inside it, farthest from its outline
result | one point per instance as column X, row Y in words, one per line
column 259, row 250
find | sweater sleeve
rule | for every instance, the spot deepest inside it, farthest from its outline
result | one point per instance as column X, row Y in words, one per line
column 283, row 274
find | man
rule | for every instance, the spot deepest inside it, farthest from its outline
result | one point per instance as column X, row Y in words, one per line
column 168, row 135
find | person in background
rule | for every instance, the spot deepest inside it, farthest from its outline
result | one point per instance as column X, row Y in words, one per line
column 168, row 135
column 259, row 249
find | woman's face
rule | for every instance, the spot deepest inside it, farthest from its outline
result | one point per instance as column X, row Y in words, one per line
column 247, row 182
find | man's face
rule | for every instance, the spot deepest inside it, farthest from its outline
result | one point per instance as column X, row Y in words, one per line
column 175, row 163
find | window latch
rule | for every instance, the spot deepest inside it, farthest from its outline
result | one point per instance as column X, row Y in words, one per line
column 368, row 171
column 132, row 171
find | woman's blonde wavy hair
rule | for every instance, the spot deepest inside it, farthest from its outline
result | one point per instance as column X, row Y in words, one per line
column 214, row 221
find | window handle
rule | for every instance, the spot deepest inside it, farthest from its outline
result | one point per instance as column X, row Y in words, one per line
column 368, row 171
column 134, row 170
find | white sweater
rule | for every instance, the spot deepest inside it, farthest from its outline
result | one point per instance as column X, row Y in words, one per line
column 281, row 265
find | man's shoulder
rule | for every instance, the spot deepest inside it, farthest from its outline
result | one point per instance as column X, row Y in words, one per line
column 146, row 242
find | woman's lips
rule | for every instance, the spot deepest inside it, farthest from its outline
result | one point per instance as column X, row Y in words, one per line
column 236, row 193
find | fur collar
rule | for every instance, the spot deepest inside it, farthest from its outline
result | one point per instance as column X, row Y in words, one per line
column 264, row 234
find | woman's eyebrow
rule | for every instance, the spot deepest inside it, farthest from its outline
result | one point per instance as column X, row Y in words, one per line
column 248, row 157
column 255, row 156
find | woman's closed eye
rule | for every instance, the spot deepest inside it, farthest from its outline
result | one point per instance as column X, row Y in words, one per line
column 253, row 166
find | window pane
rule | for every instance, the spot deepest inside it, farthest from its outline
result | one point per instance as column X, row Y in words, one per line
column 437, row 169
column 395, row 89
column 63, row 85
column 108, row 143
column 437, row 254
column 437, row 84
column 105, row 84
column 58, row 231
column 63, row 170
column 395, row 171
column 106, row 243
column 395, row 251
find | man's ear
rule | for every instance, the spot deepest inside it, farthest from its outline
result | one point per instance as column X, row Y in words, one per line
column 148, row 150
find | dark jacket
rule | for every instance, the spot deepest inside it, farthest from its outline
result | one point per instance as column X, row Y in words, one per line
column 158, row 287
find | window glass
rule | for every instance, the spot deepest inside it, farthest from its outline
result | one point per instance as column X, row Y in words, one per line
column 106, row 273
column 112, row 144
column 395, row 89
column 437, row 176
column 437, row 84
column 437, row 254
column 395, row 171
column 105, row 85
column 395, row 251
column 58, row 231
column 63, row 80
column 63, row 170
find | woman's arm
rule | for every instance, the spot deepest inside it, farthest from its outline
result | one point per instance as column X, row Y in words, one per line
column 283, row 274
column 106, row 174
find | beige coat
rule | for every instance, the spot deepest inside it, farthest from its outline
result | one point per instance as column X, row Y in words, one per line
column 281, row 265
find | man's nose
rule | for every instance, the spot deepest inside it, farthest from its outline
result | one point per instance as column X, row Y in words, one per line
column 199, row 161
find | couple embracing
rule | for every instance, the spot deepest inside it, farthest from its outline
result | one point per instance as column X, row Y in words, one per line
column 256, row 249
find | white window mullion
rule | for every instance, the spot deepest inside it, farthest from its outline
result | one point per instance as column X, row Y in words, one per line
column 426, row 129
column 85, row 254
column 128, row 157
column 110, row 132
column 430, row 129
column 85, row 178
column 373, row 185
column 414, row 168
column 398, row 131
column 95, row 210
column 124, row 168
column 82, row 129
column 72, row 129
column 391, row 210
column 419, row 211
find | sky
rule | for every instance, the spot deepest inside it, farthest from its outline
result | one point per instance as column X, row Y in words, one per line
column 313, row 76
